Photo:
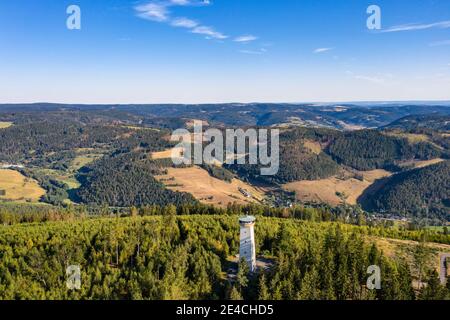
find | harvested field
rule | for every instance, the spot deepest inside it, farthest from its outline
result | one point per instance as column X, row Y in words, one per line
column 422, row 164
column 17, row 187
column 4, row 125
column 327, row 190
column 412, row 137
column 207, row 189
column 167, row 154
column 314, row 146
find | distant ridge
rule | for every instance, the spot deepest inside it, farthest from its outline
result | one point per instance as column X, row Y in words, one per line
column 343, row 116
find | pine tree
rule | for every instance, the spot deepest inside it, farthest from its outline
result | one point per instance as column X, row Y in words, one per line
column 235, row 295
column 263, row 291
column 134, row 212
column 242, row 275
column 447, row 288
column 433, row 290
column 310, row 286
column 421, row 258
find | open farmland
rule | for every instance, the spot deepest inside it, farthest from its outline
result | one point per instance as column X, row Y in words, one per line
column 422, row 164
column 4, row 125
column 335, row 190
column 412, row 137
column 167, row 154
column 208, row 189
column 17, row 187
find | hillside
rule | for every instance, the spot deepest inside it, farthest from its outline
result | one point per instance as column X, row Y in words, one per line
column 371, row 149
column 208, row 189
column 423, row 192
column 339, row 116
column 103, row 155
column 126, row 180
column 301, row 157
column 18, row 188
column 345, row 188
column 439, row 122
column 188, row 257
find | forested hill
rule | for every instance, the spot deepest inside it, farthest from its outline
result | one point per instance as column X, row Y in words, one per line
column 102, row 155
column 437, row 122
column 188, row 257
column 126, row 180
column 339, row 116
column 35, row 141
column 301, row 157
column 311, row 154
column 371, row 149
column 423, row 192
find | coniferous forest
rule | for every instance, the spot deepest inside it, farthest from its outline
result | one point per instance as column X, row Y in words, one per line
column 188, row 257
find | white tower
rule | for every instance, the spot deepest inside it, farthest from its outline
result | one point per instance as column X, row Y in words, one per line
column 247, row 247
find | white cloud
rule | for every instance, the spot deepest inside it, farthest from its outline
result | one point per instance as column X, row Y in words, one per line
column 415, row 26
column 184, row 23
column 440, row 43
column 380, row 78
column 254, row 52
column 321, row 50
column 180, row 2
column 189, row 2
column 159, row 11
column 153, row 11
column 246, row 38
column 370, row 79
column 209, row 32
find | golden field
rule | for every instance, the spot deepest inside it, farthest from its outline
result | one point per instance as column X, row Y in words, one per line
column 4, row 125
column 207, row 189
column 18, row 187
column 326, row 190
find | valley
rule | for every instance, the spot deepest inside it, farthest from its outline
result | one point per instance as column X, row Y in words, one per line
column 99, row 188
column 80, row 157
column 224, row 159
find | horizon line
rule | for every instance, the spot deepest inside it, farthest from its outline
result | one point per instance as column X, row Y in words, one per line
column 231, row 102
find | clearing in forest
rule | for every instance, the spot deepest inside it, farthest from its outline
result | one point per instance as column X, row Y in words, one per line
column 405, row 250
column 335, row 190
column 4, row 125
column 210, row 190
column 422, row 163
column 167, row 154
column 16, row 187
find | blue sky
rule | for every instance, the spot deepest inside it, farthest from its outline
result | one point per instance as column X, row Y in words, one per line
column 193, row 51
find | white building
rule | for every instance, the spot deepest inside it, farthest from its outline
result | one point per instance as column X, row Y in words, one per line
column 247, row 245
